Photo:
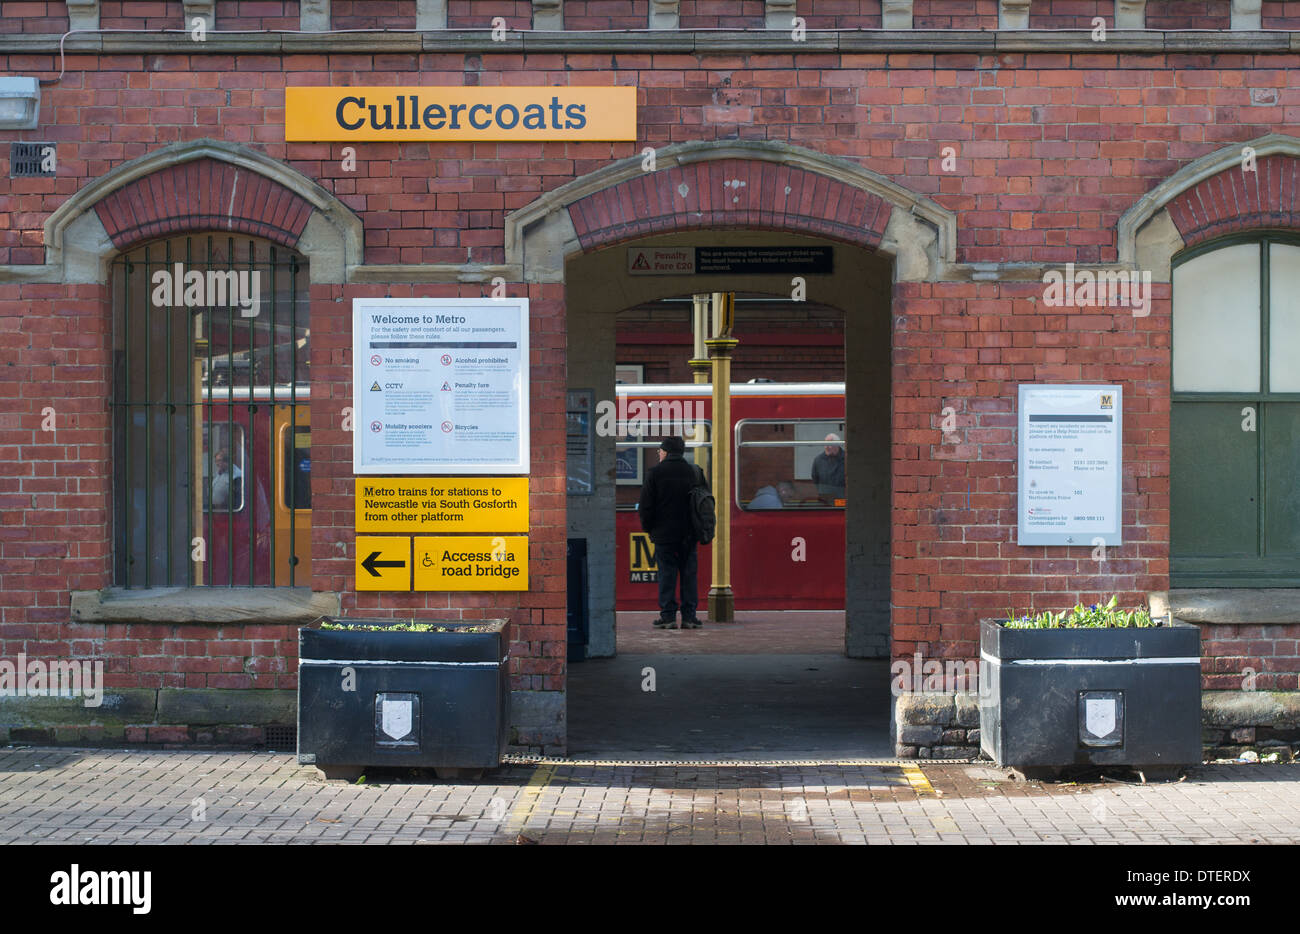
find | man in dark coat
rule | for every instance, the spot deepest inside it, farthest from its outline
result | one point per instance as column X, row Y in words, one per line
column 665, row 511
column 828, row 470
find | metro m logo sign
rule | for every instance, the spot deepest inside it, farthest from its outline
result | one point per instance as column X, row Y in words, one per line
column 642, row 567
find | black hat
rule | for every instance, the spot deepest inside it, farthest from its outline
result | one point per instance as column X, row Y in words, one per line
column 673, row 445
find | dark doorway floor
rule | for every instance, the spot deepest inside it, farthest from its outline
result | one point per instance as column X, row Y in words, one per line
column 771, row 686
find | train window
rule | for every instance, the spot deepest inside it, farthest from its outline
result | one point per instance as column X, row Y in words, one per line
column 210, row 334
column 223, row 468
column 790, row 464
column 297, row 468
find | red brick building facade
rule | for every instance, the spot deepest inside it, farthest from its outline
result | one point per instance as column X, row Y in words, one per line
column 966, row 153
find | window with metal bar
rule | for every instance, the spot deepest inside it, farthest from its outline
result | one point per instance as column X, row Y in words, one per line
column 211, row 424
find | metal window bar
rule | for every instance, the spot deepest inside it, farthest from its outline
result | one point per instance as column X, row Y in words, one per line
column 230, row 434
column 293, row 410
column 150, row 484
column 273, row 406
column 148, row 425
column 190, row 402
column 128, row 476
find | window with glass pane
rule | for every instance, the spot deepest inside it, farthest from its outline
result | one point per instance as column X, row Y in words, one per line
column 211, row 345
column 1216, row 321
column 794, row 464
column 1235, row 428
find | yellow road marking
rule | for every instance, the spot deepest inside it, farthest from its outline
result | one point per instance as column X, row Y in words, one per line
column 527, row 802
column 916, row 778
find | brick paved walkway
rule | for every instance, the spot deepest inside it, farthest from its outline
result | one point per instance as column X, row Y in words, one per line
column 755, row 632
column 112, row 796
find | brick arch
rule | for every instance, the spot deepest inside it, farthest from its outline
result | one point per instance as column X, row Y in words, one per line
column 752, row 184
column 730, row 193
column 1211, row 197
column 203, row 194
column 202, row 184
column 1234, row 200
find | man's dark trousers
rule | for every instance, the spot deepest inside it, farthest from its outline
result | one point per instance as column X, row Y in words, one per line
column 677, row 562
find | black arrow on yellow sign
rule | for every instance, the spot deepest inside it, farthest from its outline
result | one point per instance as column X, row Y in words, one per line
column 372, row 562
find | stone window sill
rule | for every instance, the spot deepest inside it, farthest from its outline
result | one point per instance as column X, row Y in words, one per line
column 203, row 605
column 1245, row 607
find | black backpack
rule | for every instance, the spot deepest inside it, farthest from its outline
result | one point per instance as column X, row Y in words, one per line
column 704, row 519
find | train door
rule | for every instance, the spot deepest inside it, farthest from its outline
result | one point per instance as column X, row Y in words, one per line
column 291, row 468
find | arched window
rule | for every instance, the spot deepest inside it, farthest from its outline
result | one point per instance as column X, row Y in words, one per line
column 1235, row 431
column 211, row 439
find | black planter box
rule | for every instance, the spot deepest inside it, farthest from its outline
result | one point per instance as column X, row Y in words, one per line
column 1055, row 698
column 436, row 700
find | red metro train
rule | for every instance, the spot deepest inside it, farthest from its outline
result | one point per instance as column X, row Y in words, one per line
column 776, row 434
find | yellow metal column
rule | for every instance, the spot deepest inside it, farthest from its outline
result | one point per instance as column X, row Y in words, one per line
column 700, row 365
column 722, row 604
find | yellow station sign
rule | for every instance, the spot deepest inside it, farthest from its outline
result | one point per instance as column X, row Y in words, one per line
column 471, row 562
column 490, row 114
column 383, row 563
column 447, row 504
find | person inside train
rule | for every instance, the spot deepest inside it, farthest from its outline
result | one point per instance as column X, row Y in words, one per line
column 773, row 497
column 227, row 482
column 828, row 470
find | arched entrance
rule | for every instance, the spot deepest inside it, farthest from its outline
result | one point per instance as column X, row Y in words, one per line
column 740, row 195
column 599, row 288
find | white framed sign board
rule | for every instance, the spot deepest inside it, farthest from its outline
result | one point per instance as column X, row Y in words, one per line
column 1070, row 473
column 440, row 385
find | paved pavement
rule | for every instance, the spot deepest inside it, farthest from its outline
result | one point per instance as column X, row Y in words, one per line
column 79, row 796
column 771, row 685
column 755, row 632
column 730, row 706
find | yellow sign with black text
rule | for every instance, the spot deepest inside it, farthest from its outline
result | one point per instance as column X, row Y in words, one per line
column 642, row 567
column 471, row 562
column 447, row 504
column 489, row 114
column 383, row 563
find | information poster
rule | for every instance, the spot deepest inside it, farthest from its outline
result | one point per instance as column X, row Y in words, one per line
column 440, row 385
column 579, row 440
column 1071, row 474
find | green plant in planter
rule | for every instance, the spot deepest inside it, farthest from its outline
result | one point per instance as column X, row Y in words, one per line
column 1081, row 617
column 412, row 626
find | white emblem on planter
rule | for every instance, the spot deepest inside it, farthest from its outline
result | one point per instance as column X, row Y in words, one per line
column 1099, row 716
column 396, row 718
